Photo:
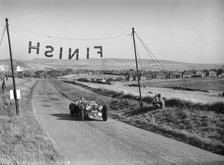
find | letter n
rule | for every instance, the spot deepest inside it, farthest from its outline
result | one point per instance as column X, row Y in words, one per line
column 70, row 55
column 34, row 47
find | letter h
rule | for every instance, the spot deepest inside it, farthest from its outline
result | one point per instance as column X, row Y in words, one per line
column 34, row 47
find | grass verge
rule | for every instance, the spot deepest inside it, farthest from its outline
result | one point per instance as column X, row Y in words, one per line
column 217, row 107
column 23, row 141
column 200, row 127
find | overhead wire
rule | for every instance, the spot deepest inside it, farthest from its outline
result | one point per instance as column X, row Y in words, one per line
column 2, row 35
column 155, row 61
column 149, row 51
column 3, row 29
column 71, row 39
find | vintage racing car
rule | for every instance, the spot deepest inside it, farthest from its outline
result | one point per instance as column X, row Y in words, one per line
column 88, row 109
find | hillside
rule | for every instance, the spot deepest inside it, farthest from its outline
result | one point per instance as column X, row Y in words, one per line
column 106, row 64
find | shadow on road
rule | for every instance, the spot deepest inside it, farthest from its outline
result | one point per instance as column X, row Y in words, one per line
column 65, row 116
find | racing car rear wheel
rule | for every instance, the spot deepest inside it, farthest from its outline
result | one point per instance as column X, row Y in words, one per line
column 71, row 108
column 105, row 113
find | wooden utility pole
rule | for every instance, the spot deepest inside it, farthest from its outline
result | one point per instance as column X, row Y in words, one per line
column 136, row 61
column 13, row 78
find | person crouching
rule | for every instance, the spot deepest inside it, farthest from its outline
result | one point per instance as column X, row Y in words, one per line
column 158, row 102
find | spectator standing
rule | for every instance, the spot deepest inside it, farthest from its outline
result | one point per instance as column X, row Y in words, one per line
column 3, row 83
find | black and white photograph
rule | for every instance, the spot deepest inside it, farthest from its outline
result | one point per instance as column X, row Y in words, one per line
column 112, row 82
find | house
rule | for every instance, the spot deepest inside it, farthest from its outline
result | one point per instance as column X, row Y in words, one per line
column 175, row 74
column 199, row 74
column 212, row 73
column 161, row 75
column 188, row 73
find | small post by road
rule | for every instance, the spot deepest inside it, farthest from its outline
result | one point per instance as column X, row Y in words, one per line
column 136, row 61
column 13, row 78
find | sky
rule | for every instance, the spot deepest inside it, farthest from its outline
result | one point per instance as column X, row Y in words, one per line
column 178, row 30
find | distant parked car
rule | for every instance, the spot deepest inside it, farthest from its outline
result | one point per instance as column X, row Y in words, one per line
column 88, row 109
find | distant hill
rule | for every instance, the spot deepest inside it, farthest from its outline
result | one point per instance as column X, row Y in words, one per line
column 107, row 64
column 5, row 65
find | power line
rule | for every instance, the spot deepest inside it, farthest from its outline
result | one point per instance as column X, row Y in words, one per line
column 138, row 54
column 71, row 39
column 2, row 30
column 150, row 52
column 2, row 33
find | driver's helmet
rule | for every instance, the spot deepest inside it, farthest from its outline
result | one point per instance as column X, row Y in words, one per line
column 81, row 99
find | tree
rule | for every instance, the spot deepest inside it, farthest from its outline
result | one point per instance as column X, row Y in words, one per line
column 39, row 73
column 206, row 72
column 219, row 71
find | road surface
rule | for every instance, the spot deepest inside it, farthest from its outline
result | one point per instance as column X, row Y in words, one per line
column 112, row 142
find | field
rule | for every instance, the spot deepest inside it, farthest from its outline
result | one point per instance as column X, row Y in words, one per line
column 196, row 123
column 23, row 141
column 204, row 90
column 207, row 84
column 107, row 64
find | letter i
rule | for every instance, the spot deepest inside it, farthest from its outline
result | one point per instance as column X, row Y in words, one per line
column 87, row 55
column 60, row 55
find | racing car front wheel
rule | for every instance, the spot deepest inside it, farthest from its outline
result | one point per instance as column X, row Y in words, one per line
column 71, row 108
column 105, row 113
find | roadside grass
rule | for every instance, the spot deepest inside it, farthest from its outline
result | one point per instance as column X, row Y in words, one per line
column 160, row 86
column 201, row 125
column 217, row 107
column 23, row 141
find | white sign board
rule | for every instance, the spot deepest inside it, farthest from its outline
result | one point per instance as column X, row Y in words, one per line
column 17, row 94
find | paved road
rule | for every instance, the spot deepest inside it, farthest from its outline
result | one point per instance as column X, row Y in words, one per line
column 111, row 142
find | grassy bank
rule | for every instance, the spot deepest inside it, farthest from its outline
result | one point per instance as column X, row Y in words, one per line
column 217, row 107
column 198, row 125
column 23, row 141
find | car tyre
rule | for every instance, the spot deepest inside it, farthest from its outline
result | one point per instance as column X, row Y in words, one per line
column 72, row 108
column 82, row 114
column 105, row 113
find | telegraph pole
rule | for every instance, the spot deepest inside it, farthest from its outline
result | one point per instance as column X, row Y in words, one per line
column 13, row 78
column 136, row 61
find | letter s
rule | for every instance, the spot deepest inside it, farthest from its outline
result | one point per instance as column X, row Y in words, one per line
column 47, row 52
